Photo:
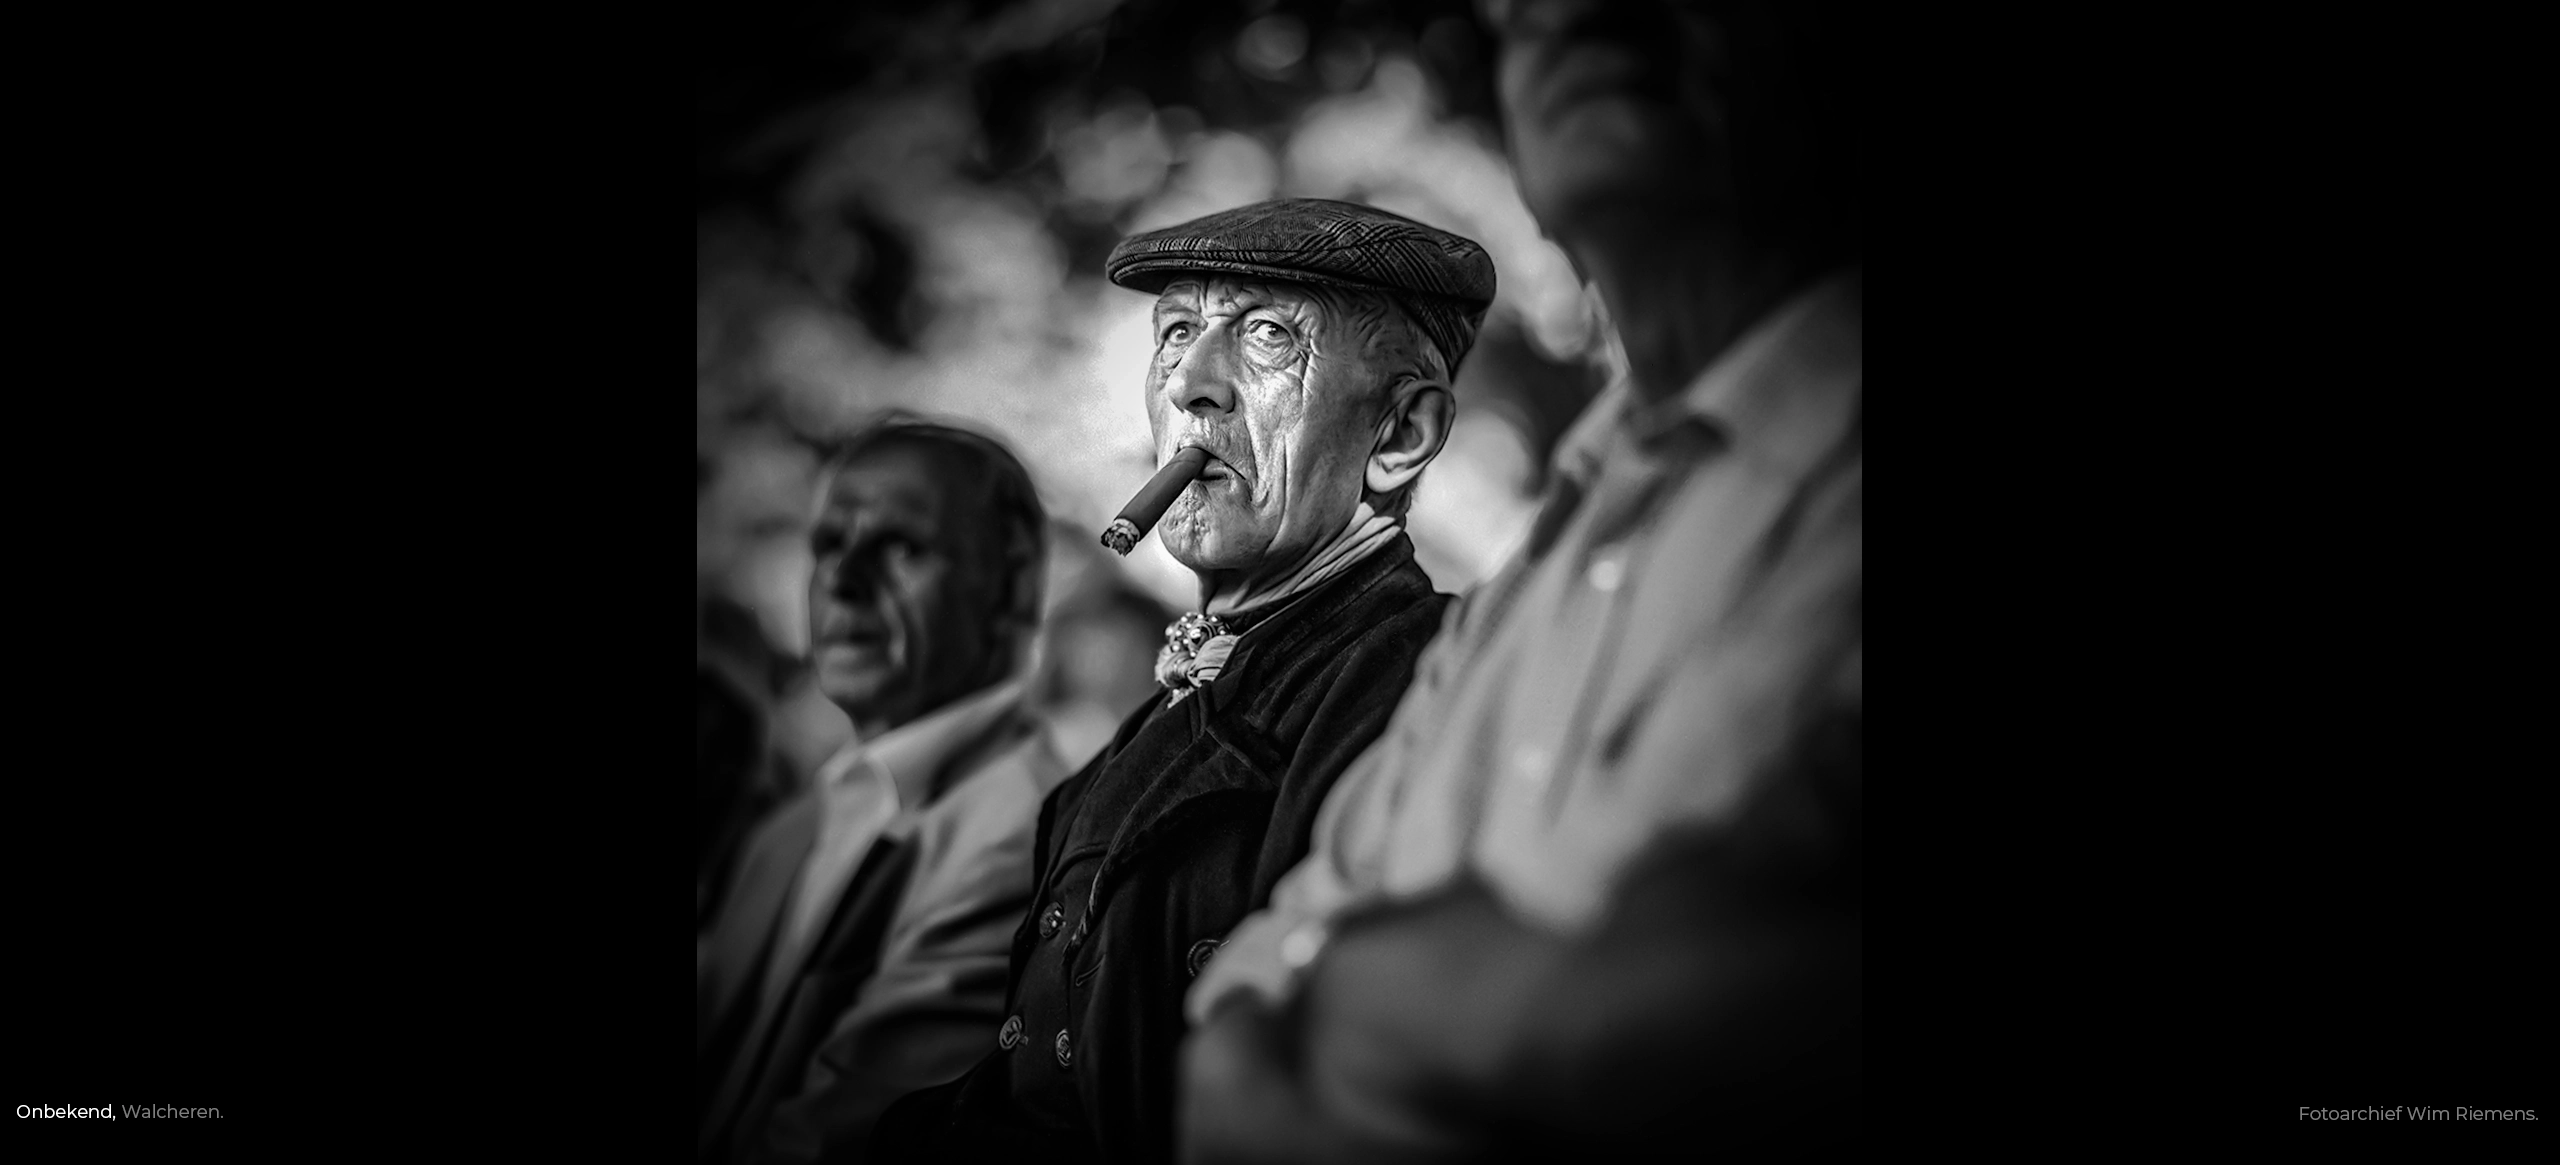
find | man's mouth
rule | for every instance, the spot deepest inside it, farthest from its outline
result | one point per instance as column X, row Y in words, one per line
column 869, row 644
column 1217, row 469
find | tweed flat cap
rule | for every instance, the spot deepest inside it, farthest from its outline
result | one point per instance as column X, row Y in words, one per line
column 1441, row 280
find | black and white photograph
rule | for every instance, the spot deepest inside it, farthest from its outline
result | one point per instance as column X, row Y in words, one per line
column 1274, row 581
column 1280, row 582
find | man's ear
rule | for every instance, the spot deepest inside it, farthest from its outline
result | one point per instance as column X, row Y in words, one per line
column 1415, row 428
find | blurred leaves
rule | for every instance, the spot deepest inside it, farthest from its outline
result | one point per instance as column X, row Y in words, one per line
column 907, row 204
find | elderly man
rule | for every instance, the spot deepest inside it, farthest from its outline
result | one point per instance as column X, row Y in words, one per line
column 1599, row 883
column 1307, row 346
column 860, row 951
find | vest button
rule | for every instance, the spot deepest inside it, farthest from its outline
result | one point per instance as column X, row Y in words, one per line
column 1050, row 920
column 1009, row 1036
column 1200, row 952
column 1066, row 1055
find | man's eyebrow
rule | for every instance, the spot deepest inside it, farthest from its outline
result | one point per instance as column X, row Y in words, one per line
column 1308, row 303
column 871, row 524
column 901, row 518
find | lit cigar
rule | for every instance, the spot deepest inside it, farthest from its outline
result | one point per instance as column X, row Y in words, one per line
column 1153, row 499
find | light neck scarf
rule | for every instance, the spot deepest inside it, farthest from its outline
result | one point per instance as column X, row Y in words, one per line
column 1197, row 645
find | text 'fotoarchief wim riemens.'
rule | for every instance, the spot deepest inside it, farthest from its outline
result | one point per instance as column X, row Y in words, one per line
column 2417, row 1113
column 111, row 1112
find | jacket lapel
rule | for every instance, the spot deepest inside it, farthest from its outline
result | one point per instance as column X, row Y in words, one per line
column 779, row 1050
column 743, row 954
column 1286, row 630
column 858, row 895
column 745, row 935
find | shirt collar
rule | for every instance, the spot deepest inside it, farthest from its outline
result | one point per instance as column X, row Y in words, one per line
column 1772, row 389
column 914, row 753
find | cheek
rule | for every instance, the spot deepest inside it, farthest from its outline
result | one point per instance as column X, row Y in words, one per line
column 1278, row 425
column 1330, row 443
column 912, row 592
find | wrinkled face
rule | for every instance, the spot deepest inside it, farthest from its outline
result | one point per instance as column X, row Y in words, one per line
column 1609, row 102
column 1272, row 378
column 904, row 587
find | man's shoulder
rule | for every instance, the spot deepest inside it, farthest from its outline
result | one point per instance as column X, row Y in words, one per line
column 1375, row 640
column 1384, row 607
column 1399, row 614
column 994, row 794
column 785, row 832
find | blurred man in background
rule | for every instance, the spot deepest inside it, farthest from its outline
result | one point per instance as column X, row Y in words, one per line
column 1598, row 885
column 1308, row 346
column 860, row 950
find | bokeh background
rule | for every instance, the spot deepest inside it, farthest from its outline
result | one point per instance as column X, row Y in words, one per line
column 907, row 205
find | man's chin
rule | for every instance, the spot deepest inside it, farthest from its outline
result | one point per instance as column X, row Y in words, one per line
column 1203, row 553
column 850, row 684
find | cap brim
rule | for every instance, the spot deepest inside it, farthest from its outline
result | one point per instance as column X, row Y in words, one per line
column 1152, row 273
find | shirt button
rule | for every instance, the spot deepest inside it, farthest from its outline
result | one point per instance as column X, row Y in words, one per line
column 1606, row 573
column 1051, row 918
column 1305, row 941
column 1200, row 952
column 1529, row 764
column 1009, row 1036
column 1066, row 1055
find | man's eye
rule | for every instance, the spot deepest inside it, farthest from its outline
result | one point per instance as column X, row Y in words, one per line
column 1179, row 333
column 1268, row 332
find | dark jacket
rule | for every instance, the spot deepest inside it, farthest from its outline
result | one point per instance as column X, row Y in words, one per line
column 1148, row 857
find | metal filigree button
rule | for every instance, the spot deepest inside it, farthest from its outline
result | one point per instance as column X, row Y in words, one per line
column 1200, row 952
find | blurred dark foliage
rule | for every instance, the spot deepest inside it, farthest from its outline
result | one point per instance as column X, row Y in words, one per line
column 764, row 71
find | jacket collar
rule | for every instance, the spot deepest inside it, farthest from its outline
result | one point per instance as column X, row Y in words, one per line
column 918, row 754
column 1285, row 627
column 1775, row 391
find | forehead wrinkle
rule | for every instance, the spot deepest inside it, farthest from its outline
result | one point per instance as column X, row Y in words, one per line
column 1218, row 294
column 1179, row 296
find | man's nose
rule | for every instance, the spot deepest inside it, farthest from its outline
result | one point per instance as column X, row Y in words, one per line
column 1204, row 382
column 845, row 577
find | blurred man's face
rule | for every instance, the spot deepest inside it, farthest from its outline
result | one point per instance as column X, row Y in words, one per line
column 1271, row 378
column 902, row 597
column 1609, row 103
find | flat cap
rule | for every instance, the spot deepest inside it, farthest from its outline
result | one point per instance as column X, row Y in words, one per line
column 1441, row 280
